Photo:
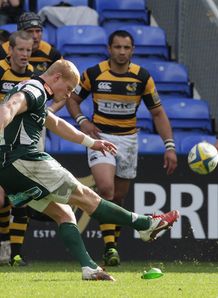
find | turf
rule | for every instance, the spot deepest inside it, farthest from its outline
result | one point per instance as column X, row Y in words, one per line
column 62, row 280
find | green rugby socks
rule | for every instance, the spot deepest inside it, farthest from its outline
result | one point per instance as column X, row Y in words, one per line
column 73, row 241
column 108, row 212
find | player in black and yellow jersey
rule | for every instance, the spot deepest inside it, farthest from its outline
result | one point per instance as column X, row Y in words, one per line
column 118, row 87
column 14, row 69
column 43, row 54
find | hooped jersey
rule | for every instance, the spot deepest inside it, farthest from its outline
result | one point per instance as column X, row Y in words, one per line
column 10, row 78
column 20, row 138
column 40, row 59
column 116, row 97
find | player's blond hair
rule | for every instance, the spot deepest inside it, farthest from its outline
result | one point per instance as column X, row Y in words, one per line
column 66, row 68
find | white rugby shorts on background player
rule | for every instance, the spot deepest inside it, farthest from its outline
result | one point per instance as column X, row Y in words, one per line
column 127, row 155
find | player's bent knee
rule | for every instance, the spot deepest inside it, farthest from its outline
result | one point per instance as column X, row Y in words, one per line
column 60, row 213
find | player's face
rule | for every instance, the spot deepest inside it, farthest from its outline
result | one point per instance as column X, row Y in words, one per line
column 63, row 88
column 20, row 54
column 121, row 50
column 36, row 35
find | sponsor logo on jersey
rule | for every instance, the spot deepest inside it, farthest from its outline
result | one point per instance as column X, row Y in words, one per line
column 116, row 107
column 104, row 86
column 7, row 86
column 131, row 87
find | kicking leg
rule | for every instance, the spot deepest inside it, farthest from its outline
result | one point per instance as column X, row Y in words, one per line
column 106, row 212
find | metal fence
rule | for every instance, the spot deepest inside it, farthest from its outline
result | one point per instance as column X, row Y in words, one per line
column 192, row 32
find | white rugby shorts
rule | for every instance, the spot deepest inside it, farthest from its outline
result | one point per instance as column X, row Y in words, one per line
column 127, row 155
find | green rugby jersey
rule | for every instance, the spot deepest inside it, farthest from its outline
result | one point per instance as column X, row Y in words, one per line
column 21, row 136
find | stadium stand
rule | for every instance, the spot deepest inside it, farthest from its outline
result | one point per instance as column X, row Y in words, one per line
column 54, row 17
column 42, row 3
column 189, row 141
column 188, row 113
column 125, row 10
column 13, row 28
column 150, row 41
column 150, row 143
column 69, row 147
column 144, row 119
column 83, row 62
column 170, row 77
column 82, row 40
column 9, row 27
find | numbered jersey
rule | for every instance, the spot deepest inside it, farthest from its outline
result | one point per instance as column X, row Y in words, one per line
column 10, row 78
column 21, row 136
column 116, row 97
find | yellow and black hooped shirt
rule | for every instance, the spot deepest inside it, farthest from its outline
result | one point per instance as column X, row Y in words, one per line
column 116, row 97
column 40, row 59
column 10, row 78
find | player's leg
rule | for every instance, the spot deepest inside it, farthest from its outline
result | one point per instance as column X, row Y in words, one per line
column 105, row 211
column 105, row 188
column 65, row 218
column 18, row 227
column 5, row 209
column 121, row 191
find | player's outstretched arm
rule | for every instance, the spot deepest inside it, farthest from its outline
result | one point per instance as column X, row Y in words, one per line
column 71, row 133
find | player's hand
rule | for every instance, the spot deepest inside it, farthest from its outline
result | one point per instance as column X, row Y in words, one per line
column 90, row 129
column 170, row 161
column 105, row 146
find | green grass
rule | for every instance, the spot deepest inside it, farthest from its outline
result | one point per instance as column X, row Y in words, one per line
column 60, row 280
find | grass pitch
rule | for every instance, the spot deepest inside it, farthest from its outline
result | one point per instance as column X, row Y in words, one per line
column 60, row 280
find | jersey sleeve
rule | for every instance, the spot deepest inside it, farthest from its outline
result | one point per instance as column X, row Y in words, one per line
column 34, row 97
column 151, row 97
column 84, row 87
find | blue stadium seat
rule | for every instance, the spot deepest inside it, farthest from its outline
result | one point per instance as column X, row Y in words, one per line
column 51, row 30
column 127, row 10
column 188, row 113
column 144, row 119
column 188, row 142
column 63, row 112
column 150, row 41
column 170, row 77
column 42, row 3
column 83, row 62
column 87, row 107
column 52, row 141
column 9, row 27
column 13, row 28
column 69, row 147
column 48, row 147
column 82, row 40
column 150, row 143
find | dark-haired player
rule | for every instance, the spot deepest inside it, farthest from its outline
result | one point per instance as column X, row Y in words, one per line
column 118, row 87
